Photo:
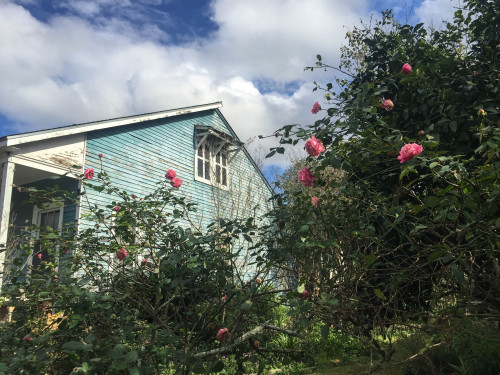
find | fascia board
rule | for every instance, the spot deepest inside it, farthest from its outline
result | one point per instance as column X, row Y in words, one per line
column 92, row 126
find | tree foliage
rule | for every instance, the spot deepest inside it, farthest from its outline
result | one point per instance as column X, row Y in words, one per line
column 138, row 292
column 415, row 242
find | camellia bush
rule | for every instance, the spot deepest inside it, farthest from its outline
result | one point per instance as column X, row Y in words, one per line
column 136, row 292
column 396, row 223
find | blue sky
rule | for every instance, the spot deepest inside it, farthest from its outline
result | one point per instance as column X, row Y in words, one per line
column 72, row 61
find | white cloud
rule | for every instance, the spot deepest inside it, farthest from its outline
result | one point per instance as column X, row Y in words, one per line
column 87, row 8
column 70, row 70
column 434, row 12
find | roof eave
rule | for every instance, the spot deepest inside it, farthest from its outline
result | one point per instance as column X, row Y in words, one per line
column 40, row 135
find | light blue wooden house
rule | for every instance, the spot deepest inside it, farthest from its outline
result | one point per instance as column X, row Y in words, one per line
column 197, row 142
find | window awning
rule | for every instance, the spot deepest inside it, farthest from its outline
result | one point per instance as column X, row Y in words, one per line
column 221, row 139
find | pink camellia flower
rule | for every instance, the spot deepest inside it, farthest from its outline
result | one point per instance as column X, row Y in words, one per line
column 100, row 155
column 117, row 208
column 305, row 294
column 223, row 335
column 170, row 174
column 315, row 201
column 409, row 151
column 39, row 256
column 65, row 251
column 314, row 147
column 406, row 68
column 89, row 173
column 176, row 182
column 306, row 178
column 316, row 108
column 121, row 254
column 44, row 305
column 387, row 105
column 145, row 262
column 27, row 339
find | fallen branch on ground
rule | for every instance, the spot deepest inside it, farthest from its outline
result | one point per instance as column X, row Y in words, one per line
column 232, row 345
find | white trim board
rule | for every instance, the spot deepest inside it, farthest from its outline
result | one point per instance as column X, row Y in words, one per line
column 98, row 125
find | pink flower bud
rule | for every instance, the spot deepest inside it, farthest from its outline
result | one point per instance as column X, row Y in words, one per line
column 117, row 208
column 170, row 174
column 88, row 173
column 387, row 105
column 315, row 201
column 316, row 108
column 176, row 182
column 306, row 178
column 27, row 339
column 305, row 294
column 223, row 335
column 406, row 68
column 100, row 155
column 121, row 254
column 39, row 256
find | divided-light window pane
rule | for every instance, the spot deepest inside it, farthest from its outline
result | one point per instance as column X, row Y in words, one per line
column 211, row 162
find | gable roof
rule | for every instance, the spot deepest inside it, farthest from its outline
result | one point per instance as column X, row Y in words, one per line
column 8, row 143
column 38, row 135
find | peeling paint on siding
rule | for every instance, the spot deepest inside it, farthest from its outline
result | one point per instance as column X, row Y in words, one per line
column 62, row 152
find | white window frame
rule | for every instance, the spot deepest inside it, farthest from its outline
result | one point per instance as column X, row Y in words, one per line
column 37, row 215
column 212, row 152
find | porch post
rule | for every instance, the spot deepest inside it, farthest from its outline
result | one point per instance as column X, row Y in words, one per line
column 5, row 201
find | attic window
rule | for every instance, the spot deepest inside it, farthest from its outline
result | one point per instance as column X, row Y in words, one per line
column 214, row 151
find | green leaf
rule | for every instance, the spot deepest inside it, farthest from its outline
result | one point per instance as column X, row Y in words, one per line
column 131, row 356
column 370, row 259
column 218, row 366
column 435, row 255
column 457, row 273
column 76, row 345
column 431, row 201
column 198, row 368
column 292, row 312
column 247, row 305
column 90, row 338
column 270, row 154
column 134, row 371
column 379, row 294
column 120, row 365
column 85, row 367
column 325, row 330
column 398, row 218
column 301, row 288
